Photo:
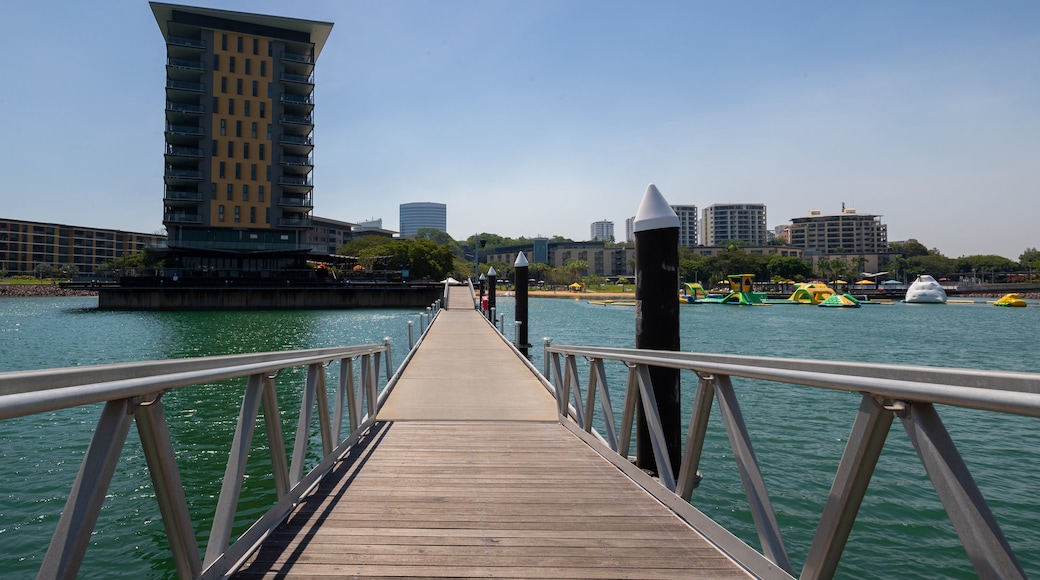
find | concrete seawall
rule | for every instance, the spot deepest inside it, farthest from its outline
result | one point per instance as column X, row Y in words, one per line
column 339, row 297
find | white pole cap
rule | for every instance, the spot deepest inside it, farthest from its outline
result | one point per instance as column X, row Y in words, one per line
column 654, row 212
column 521, row 261
column 492, row 272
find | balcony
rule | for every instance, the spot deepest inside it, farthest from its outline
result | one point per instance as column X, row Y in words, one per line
column 296, row 161
column 185, row 108
column 295, row 222
column 305, row 141
column 300, row 203
column 177, row 151
column 186, row 42
column 295, row 181
column 297, row 99
column 193, row 174
column 182, row 218
column 300, row 79
column 185, row 86
column 184, row 130
column 182, row 197
column 297, row 119
column 183, row 64
column 293, row 57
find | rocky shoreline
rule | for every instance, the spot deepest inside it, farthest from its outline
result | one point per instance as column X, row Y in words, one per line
column 40, row 291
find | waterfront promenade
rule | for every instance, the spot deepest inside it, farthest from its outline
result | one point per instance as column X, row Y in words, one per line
column 469, row 473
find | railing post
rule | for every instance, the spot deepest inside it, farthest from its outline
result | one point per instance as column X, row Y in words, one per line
column 70, row 539
column 501, row 324
column 516, row 333
column 169, row 492
column 546, row 343
column 411, row 337
column 389, row 361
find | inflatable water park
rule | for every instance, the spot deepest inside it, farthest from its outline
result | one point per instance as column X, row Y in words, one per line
column 925, row 290
column 742, row 294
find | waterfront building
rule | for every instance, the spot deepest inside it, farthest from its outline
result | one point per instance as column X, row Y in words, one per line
column 845, row 232
column 765, row 250
column 239, row 137
column 687, row 225
column 423, row 214
column 630, row 224
column 602, row 230
column 727, row 222
column 601, row 260
column 26, row 246
column 326, row 235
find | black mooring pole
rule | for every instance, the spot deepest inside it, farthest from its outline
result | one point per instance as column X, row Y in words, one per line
column 520, row 283
column 491, row 293
column 656, row 229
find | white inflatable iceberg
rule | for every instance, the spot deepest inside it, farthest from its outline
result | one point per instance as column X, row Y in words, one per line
column 925, row 290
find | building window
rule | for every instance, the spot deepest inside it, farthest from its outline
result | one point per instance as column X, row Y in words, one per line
column 245, row 192
column 254, row 130
column 230, row 193
column 256, row 46
column 238, row 128
column 245, row 150
column 231, row 106
column 263, row 68
column 252, row 172
column 216, row 62
column 246, row 111
column 238, row 86
column 256, row 89
column 261, row 152
column 263, row 112
column 220, row 213
column 260, row 193
column 216, row 105
column 220, row 172
column 270, row 48
column 223, row 84
column 238, row 214
column 223, row 42
column 238, row 171
column 239, row 44
column 268, row 131
column 252, row 215
column 270, row 90
column 223, row 127
column 213, row 191
column 230, row 149
column 231, row 64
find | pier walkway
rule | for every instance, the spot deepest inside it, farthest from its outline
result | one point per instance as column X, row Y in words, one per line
column 469, row 473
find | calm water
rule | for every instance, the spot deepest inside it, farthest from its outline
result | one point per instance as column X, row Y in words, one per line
column 798, row 433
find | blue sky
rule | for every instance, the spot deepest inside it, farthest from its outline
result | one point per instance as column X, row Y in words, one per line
column 539, row 117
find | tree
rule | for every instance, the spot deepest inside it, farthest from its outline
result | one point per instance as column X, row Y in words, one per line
column 789, row 268
column 576, row 269
column 909, row 248
column 440, row 238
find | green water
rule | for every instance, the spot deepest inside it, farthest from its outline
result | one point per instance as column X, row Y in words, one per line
column 798, row 433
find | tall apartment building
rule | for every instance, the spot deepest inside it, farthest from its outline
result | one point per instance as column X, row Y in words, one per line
column 846, row 232
column 734, row 221
column 687, row 225
column 602, row 230
column 423, row 214
column 26, row 246
column 630, row 229
column 239, row 135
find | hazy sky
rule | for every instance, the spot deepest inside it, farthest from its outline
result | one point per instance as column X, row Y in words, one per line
column 539, row 117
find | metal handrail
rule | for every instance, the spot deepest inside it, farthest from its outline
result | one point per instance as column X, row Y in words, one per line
column 909, row 393
column 134, row 391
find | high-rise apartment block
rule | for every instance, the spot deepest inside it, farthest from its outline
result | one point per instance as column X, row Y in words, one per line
column 846, row 232
column 687, row 225
column 726, row 222
column 602, row 230
column 423, row 214
column 239, row 134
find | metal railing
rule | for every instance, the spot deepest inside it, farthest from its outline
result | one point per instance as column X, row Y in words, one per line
column 133, row 392
column 909, row 393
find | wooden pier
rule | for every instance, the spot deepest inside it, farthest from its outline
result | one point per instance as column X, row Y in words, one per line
column 469, row 473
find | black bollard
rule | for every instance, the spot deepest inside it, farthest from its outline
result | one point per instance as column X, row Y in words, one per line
column 656, row 229
column 520, row 282
column 480, row 304
column 491, row 293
